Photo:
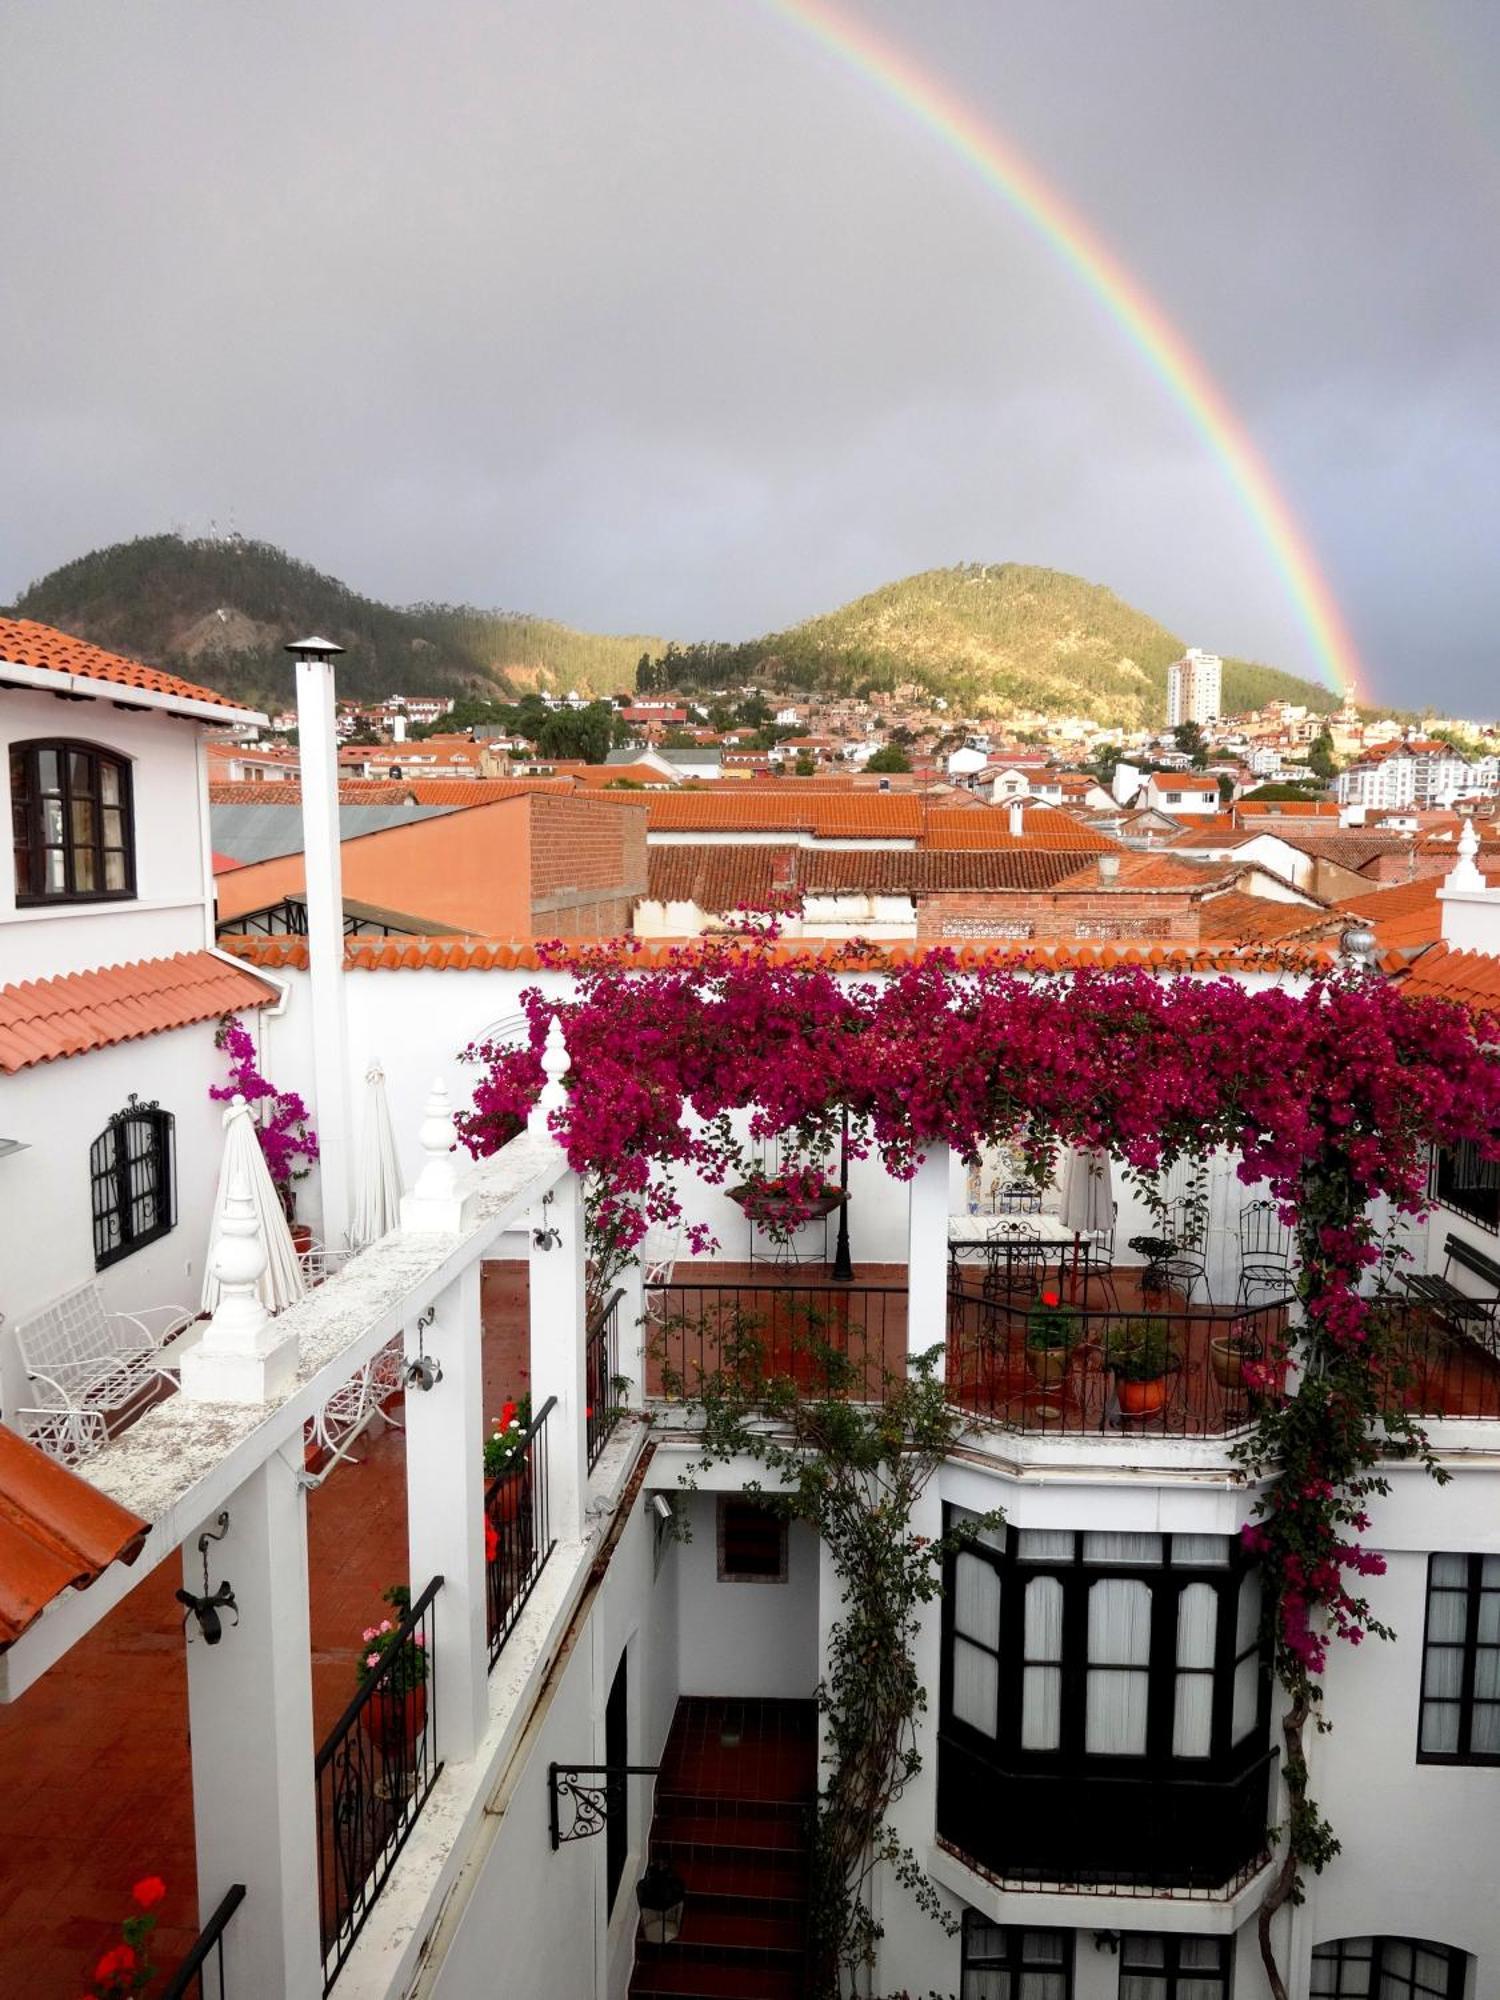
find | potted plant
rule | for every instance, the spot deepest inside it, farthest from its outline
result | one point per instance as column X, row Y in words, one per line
column 1051, row 1335
column 780, row 1204
column 396, row 1714
column 1142, row 1356
column 506, row 1447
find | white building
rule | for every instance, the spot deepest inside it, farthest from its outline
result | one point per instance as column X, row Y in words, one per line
column 1099, row 1744
column 1194, row 688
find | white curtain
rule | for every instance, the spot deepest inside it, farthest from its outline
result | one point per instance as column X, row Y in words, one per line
column 976, row 1669
column 244, row 1166
column 1193, row 1711
column 1119, row 1659
column 1247, row 1652
column 1122, row 1548
column 1041, row 1679
column 1037, row 1545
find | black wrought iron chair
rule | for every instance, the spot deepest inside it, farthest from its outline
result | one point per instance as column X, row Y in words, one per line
column 1019, row 1198
column 1265, row 1254
column 1092, row 1261
column 1187, row 1267
column 1015, row 1260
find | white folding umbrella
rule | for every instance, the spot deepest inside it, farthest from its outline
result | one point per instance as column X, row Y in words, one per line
column 244, row 1168
column 1088, row 1201
column 377, row 1196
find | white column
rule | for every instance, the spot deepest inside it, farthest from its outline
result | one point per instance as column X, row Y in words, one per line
column 927, row 1256
column 317, row 742
column 445, row 1510
column 632, row 1326
column 250, row 1716
column 557, row 1351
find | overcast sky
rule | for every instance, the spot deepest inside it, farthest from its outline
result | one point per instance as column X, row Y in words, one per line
column 652, row 316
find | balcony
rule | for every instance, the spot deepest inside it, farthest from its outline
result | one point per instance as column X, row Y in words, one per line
column 1131, row 1835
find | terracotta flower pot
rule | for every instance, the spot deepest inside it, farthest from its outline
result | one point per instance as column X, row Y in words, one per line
column 1226, row 1357
column 1048, row 1365
column 302, row 1237
column 1143, row 1399
column 506, row 1505
column 393, row 1722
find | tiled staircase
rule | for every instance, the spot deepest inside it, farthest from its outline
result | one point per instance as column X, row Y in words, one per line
column 733, row 1810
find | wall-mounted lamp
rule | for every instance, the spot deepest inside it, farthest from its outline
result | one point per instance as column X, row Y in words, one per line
column 1107, row 1941
column 546, row 1238
column 661, row 1894
column 426, row 1371
column 206, row 1608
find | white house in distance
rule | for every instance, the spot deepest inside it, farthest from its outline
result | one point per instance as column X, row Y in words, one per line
column 110, row 983
column 1099, row 1745
column 1195, row 688
column 1180, row 792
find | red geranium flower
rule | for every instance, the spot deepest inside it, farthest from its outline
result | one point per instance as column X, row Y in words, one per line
column 120, row 1958
column 149, row 1891
column 1050, row 1299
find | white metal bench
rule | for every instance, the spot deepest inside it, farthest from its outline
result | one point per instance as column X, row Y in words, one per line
column 85, row 1363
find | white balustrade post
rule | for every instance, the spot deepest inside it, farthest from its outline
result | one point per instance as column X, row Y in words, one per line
column 243, row 1356
column 250, row 1717
column 927, row 1256
column 558, row 1316
column 631, row 1322
column 554, row 1068
column 436, row 1203
column 445, row 1509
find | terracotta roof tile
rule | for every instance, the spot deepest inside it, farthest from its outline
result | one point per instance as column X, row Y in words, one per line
column 1041, row 826
column 720, row 876
column 26, row 644
column 1403, row 915
column 57, row 1532
column 1472, row 977
column 42, row 1019
column 1151, row 871
column 390, row 791
column 1237, row 918
column 825, row 815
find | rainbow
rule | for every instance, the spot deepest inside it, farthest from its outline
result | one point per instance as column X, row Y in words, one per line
column 1060, row 226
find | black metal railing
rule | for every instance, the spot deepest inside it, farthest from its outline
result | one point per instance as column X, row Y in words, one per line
column 1085, row 1368
column 1432, row 1367
column 201, row 1974
column 602, row 1362
column 1108, row 1834
column 373, row 1776
column 517, row 1531
column 828, row 1340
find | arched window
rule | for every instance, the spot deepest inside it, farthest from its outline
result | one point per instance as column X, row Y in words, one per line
column 1387, row 1968
column 133, row 1182
column 71, row 823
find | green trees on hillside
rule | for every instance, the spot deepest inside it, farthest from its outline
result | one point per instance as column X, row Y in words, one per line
column 891, row 757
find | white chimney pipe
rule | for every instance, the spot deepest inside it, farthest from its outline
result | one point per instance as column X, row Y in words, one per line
column 1017, row 814
column 317, row 739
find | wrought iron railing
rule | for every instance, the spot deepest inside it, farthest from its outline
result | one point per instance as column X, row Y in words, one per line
column 373, row 1776
column 518, row 1531
column 201, row 1974
column 841, row 1340
column 1435, row 1369
column 1085, row 1368
column 602, row 1357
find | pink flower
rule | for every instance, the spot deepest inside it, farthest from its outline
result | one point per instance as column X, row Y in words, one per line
column 373, row 1659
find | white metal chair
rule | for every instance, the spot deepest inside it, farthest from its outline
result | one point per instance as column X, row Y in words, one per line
column 659, row 1250
column 87, row 1363
column 351, row 1407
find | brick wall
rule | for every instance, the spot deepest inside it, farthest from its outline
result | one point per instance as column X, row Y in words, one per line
column 588, row 865
column 1107, row 917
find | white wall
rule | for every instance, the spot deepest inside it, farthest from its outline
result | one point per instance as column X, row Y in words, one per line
column 46, row 1217
column 534, row 1921
column 745, row 1638
column 172, row 908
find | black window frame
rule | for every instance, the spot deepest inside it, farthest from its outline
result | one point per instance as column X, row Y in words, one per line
column 1474, row 1591
column 1172, row 1971
column 1379, row 1971
column 1166, row 1579
column 28, row 801
column 116, row 1197
column 1013, row 1960
column 1475, row 1202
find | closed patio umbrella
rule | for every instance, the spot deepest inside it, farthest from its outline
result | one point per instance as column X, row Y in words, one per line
column 244, row 1168
column 1088, row 1200
column 378, row 1190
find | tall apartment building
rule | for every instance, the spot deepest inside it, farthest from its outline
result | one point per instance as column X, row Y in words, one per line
column 1194, row 688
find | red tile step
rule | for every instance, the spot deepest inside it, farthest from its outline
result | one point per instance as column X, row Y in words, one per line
column 682, row 1979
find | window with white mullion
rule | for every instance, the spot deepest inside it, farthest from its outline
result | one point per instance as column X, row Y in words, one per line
column 1197, row 1651
column 1119, row 1668
column 976, row 1643
column 1460, row 1699
column 1168, row 1966
column 1041, row 1665
column 1248, row 1670
column 1387, row 1968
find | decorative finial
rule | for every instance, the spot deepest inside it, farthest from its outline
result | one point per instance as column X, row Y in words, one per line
column 437, row 1180
column 239, row 1260
column 555, row 1062
column 1465, row 873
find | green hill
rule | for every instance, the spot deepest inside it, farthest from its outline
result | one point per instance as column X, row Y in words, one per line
column 220, row 612
column 992, row 638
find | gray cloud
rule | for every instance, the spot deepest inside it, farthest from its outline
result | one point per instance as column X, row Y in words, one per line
column 650, row 315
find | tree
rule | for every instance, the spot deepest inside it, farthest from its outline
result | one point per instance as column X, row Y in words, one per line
column 1320, row 758
column 577, row 733
column 891, row 758
column 645, row 674
column 1189, row 738
column 806, row 766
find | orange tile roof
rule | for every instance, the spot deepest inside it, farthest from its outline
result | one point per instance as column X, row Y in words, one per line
column 389, row 791
column 1041, row 826
column 26, row 644
column 57, row 1533
column 1150, row 871
column 1287, row 809
column 1472, row 977
column 42, row 1019
column 1241, row 919
column 721, row 875
column 1403, row 915
column 828, row 816
column 493, row 954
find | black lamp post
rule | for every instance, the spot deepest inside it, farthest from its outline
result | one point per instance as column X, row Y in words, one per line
column 843, row 1263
